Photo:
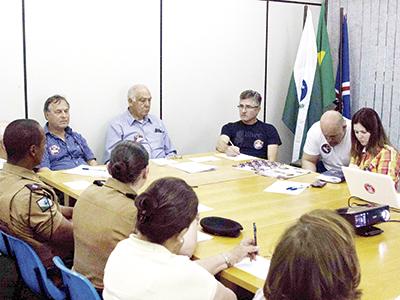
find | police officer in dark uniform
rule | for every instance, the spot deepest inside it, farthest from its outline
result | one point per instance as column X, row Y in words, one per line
column 29, row 208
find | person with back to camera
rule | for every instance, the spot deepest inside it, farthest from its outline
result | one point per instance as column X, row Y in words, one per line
column 147, row 264
column 314, row 259
column 370, row 147
column 106, row 214
column 29, row 208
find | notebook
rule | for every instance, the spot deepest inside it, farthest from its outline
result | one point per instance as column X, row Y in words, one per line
column 372, row 187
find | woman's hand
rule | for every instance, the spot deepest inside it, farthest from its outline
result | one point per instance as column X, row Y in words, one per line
column 245, row 249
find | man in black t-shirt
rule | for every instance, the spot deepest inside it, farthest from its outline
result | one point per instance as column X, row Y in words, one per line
column 249, row 135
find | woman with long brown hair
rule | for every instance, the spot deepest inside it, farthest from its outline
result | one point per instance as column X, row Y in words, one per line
column 370, row 147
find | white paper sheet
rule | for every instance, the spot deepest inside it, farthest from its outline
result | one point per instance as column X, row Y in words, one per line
column 258, row 267
column 287, row 187
column 236, row 158
column 204, row 159
column 163, row 161
column 193, row 167
column 201, row 236
column 203, row 208
column 78, row 184
column 88, row 171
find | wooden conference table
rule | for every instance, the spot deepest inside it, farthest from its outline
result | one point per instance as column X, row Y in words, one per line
column 239, row 195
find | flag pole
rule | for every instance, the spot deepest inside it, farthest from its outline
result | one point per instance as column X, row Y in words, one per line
column 340, row 66
column 305, row 15
column 326, row 11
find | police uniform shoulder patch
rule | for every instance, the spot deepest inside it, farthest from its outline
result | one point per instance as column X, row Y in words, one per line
column 44, row 203
column 34, row 187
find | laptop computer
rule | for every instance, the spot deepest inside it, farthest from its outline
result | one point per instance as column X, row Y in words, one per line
column 372, row 187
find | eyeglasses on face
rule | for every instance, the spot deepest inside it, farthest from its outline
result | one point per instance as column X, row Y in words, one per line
column 246, row 107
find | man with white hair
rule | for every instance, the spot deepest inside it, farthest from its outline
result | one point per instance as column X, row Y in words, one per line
column 136, row 124
column 3, row 154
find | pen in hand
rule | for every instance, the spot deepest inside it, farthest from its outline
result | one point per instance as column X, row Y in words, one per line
column 255, row 233
column 232, row 150
column 254, row 254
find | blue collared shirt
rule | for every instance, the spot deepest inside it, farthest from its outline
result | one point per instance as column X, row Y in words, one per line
column 150, row 132
column 61, row 155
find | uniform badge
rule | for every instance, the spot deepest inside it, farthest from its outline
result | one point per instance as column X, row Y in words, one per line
column 326, row 148
column 54, row 149
column 138, row 138
column 44, row 203
column 258, row 144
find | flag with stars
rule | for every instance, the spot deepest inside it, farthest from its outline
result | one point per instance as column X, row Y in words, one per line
column 312, row 87
column 343, row 74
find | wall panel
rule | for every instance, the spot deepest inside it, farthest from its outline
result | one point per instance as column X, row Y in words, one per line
column 91, row 52
column 11, row 61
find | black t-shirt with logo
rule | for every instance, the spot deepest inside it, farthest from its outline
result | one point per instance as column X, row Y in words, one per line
column 252, row 139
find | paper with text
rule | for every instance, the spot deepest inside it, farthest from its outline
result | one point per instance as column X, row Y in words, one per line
column 258, row 267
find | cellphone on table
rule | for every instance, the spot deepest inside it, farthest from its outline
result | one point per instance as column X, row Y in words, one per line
column 318, row 184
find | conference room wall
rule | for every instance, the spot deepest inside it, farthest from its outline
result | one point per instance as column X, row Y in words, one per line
column 212, row 51
column 11, row 61
column 91, row 52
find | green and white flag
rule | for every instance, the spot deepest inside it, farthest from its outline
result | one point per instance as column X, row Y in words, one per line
column 306, row 101
column 301, row 83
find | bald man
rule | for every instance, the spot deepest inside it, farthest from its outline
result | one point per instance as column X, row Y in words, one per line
column 328, row 141
column 136, row 124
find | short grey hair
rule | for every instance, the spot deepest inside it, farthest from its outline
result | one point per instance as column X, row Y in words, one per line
column 251, row 94
column 133, row 90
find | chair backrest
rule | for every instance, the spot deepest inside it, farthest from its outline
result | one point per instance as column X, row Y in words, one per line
column 32, row 270
column 5, row 248
column 77, row 285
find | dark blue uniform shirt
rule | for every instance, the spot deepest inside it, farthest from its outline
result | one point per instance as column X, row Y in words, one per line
column 68, row 154
column 252, row 139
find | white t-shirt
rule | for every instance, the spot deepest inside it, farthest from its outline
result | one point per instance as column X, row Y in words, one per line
column 138, row 269
column 331, row 157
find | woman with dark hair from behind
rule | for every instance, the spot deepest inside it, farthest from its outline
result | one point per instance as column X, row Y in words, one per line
column 105, row 213
column 147, row 265
column 315, row 259
column 370, row 147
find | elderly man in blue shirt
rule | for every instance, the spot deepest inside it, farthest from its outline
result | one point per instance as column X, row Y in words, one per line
column 65, row 148
column 138, row 125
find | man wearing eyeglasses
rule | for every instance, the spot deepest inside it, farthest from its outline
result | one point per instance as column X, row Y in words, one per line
column 249, row 135
column 136, row 124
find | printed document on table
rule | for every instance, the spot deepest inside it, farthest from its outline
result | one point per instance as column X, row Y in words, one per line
column 258, row 267
column 163, row 161
column 204, row 159
column 237, row 157
column 93, row 171
column 193, row 167
column 287, row 187
column 78, row 184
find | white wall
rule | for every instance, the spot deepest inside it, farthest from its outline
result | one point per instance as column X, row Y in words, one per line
column 11, row 61
column 213, row 50
column 92, row 51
